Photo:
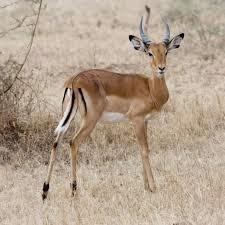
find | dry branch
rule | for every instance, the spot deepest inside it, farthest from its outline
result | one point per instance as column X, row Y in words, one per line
column 27, row 53
column 10, row 4
column 18, row 25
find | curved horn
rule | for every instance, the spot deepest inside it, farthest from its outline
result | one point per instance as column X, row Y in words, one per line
column 166, row 36
column 144, row 37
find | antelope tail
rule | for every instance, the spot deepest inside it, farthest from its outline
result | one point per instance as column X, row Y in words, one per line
column 69, row 112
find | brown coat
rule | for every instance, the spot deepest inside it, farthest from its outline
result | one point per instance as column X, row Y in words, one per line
column 129, row 94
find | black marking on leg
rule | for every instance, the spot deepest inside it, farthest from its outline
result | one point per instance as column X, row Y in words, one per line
column 55, row 144
column 45, row 187
column 83, row 100
column 71, row 143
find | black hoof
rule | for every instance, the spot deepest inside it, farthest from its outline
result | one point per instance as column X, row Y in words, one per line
column 45, row 191
column 44, row 196
column 73, row 187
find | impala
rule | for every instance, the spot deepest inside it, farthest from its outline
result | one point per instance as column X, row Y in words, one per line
column 101, row 95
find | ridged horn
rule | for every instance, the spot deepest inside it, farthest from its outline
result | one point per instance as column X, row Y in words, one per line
column 144, row 36
column 166, row 36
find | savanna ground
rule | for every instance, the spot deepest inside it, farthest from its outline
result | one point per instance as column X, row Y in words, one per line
column 187, row 139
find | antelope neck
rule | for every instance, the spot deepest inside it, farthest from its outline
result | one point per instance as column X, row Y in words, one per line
column 158, row 90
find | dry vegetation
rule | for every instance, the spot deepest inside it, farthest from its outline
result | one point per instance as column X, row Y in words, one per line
column 187, row 139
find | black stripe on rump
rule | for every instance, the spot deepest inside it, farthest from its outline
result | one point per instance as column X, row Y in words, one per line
column 64, row 98
column 71, row 108
column 83, row 100
column 64, row 95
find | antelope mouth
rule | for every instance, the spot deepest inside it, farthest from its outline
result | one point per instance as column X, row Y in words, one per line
column 160, row 74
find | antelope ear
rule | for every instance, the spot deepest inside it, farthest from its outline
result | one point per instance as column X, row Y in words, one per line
column 137, row 43
column 175, row 42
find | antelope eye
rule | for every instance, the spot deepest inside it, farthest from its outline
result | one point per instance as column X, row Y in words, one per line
column 166, row 53
column 150, row 54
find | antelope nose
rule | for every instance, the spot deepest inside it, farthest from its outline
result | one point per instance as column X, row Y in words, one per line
column 162, row 68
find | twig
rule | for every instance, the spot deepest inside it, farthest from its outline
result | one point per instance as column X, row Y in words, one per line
column 10, row 4
column 27, row 54
column 28, row 85
column 19, row 24
column 36, row 94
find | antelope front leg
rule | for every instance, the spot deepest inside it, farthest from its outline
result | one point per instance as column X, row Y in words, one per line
column 144, row 171
column 140, row 131
column 145, row 179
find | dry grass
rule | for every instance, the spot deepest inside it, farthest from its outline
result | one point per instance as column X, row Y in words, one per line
column 186, row 138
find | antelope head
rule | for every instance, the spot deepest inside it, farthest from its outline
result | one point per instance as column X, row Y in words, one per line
column 156, row 51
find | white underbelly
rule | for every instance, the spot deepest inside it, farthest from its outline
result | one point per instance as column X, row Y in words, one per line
column 112, row 117
column 116, row 117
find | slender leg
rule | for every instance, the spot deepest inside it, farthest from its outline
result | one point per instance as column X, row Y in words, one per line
column 50, row 167
column 86, row 128
column 140, row 130
column 144, row 171
column 73, row 153
column 145, row 179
